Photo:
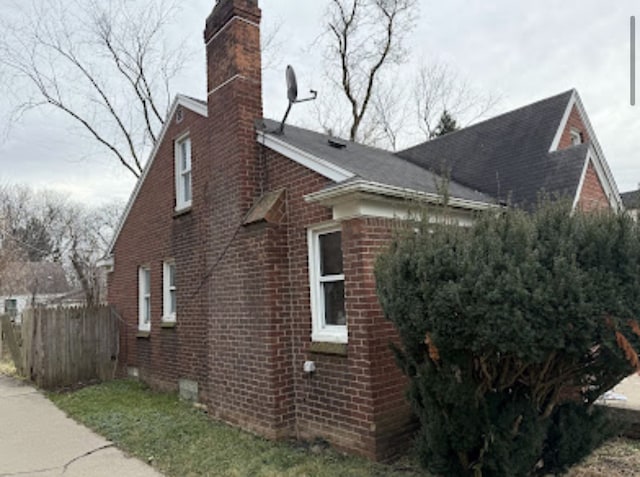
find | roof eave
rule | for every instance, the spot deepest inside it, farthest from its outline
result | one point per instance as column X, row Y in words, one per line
column 337, row 193
column 325, row 168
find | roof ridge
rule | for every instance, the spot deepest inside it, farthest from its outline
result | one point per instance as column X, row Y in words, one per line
column 484, row 121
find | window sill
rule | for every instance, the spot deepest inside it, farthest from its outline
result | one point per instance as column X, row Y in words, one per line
column 183, row 211
column 334, row 334
column 143, row 334
column 168, row 324
column 339, row 349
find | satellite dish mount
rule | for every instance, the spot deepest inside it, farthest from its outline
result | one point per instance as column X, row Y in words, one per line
column 292, row 95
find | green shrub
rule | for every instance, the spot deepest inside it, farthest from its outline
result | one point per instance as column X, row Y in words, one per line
column 510, row 330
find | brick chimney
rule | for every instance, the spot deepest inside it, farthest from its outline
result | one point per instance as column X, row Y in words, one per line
column 232, row 36
column 234, row 72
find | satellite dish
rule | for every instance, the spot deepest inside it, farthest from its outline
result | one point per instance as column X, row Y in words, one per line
column 292, row 85
column 292, row 94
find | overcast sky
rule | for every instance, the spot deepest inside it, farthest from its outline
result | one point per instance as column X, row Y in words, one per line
column 521, row 51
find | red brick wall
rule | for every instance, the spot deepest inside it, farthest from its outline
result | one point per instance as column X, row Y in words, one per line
column 257, row 325
column 355, row 401
column 244, row 318
column 151, row 234
column 574, row 122
column 592, row 195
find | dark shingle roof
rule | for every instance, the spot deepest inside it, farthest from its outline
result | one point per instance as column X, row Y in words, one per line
column 369, row 163
column 507, row 156
column 631, row 199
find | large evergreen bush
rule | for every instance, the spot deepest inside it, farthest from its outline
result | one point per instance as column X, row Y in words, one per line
column 510, row 330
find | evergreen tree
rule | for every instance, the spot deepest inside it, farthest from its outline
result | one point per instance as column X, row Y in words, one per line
column 445, row 125
column 510, row 330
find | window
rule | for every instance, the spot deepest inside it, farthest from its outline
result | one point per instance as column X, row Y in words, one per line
column 144, row 299
column 11, row 307
column 183, row 173
column 169, row 291
column 576, row 137
column 329, row 319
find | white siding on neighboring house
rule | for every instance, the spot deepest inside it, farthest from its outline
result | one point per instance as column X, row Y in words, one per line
column 24, row 301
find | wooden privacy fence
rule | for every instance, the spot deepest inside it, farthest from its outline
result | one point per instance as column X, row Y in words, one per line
column 10, row 341
column 66, row 346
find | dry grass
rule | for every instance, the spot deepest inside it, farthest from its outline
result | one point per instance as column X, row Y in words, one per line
column 7, row 367
column 181, row 441
column 616, row 458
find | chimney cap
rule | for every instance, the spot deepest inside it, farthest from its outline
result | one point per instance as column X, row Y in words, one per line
column 224, row 10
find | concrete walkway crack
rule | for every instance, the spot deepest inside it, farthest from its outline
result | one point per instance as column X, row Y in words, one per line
column 86, row 454
column 63, row 467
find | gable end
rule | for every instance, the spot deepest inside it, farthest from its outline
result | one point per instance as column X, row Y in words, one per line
column 575, row 113
column 191, row 104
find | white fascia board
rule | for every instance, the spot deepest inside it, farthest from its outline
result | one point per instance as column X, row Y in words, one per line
column 189, row 103
column 179, row 100
column 316, row 164
column 610, row 189
column 367, row 205
column 563, row 122
column 596, row 153
column 583, row 175
column 337, row 193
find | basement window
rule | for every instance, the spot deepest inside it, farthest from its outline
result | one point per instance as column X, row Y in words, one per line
column 326, row 274
column 183, row 173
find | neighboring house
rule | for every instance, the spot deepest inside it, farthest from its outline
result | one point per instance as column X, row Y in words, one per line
column 631, row 201
column 26, row 284
column 245, row 257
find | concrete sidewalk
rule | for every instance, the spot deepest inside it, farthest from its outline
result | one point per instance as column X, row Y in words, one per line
column 37, row 439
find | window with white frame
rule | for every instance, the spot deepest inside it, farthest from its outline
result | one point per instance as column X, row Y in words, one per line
column 183, row 173
column 576, row 137
column 169, row 291
column 144, row 299
column 326, row 273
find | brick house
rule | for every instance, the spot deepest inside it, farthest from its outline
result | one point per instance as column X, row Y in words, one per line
column 244, row 253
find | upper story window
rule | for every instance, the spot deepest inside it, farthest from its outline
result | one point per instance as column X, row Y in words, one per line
column 326, row 273
column 183, row 173
column 144, row 299
column 169, row 291
column 576, row 137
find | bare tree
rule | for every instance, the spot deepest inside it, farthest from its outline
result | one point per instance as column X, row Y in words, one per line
column 390, row 116
column 437, row 88
column 86, row 234
column 364, row 38
column 102, row 63
column 78, row 236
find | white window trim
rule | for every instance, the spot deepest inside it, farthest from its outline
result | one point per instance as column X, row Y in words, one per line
column 320, row 331
column 576, row 136
column 168, row 316
column 142, row 326
column 181, row 203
